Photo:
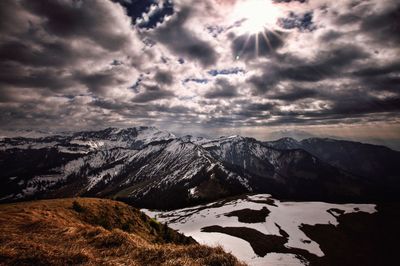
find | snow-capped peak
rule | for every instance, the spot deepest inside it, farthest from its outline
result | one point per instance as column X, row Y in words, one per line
column 134, row 137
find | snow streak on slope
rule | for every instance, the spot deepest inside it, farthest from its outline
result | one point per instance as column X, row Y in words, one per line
column 240, row 151
column 176, row 162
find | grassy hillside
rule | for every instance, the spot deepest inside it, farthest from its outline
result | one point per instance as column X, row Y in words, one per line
column 87, row 231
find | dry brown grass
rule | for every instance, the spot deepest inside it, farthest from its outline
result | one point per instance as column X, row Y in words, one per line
column 95, row 232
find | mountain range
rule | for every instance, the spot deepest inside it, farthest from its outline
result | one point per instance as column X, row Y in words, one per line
column 153, row 168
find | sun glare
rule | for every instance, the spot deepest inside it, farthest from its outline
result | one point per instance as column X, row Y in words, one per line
column 256, row 15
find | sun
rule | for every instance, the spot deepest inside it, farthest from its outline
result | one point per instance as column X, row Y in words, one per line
column 255, row 15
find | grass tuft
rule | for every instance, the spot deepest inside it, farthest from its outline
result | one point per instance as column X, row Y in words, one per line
column 77, row 207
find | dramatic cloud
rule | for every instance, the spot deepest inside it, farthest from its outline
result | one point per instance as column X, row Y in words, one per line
column 182, row 41
column 152, row 93
column 222, row 89
column 207, row 66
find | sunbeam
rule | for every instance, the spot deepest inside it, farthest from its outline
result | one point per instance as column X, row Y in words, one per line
column 256, row 15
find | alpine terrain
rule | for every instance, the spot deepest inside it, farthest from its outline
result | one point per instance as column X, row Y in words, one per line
column 153, row 168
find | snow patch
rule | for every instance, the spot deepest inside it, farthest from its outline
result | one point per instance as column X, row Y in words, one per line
column 288, row 215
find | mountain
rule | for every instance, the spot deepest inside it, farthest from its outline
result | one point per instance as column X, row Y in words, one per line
column 152, row 168
column 291, row 133
column 294, row 174
column 163, row 174
column 284, row 144
column 378, row 165
column 86, row 141
column 142, row 165
column 95, row 232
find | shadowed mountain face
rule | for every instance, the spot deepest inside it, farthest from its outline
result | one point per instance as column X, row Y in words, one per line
column 378, row 165
column 155, row 169
column 287, row 173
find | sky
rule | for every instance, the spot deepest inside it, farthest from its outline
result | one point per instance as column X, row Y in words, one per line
column 210, row 67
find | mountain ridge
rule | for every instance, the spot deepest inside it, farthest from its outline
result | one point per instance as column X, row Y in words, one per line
column 154, row 168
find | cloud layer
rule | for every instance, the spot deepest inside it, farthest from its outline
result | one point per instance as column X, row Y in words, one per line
column 68, row 64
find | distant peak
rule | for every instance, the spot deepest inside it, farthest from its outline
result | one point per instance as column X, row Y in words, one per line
column 232, row 137
column 288, row 139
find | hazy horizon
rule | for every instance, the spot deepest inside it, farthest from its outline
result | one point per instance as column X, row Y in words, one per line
column 264, row 135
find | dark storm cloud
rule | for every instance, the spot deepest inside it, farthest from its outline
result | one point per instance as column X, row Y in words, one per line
column 384, row 26
column 242, row 112
column 14, row 75
column 380, row 24
column 35, row 111
column 12, row 17
column 258, row 106
column 179, row 109
column 263, row 83
column 248, row 111
column 382, row 83
column 378, row 70
column 182, row 41
column 294, row 94
column 99, row 82
column 145, row 110
column 83, row 19
column 95, row 62
column 351, row 106
column 367, row 105
column 55, row 53
column 47, row 44
column 243, row 47
column 346, row 19
column 109, row 104
column 6, row 95
column 152, row 93
column 327, row 64
column 380, row 77
column 330, row 36
column 164, row 77
column 222, row 88
column 351, row 102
